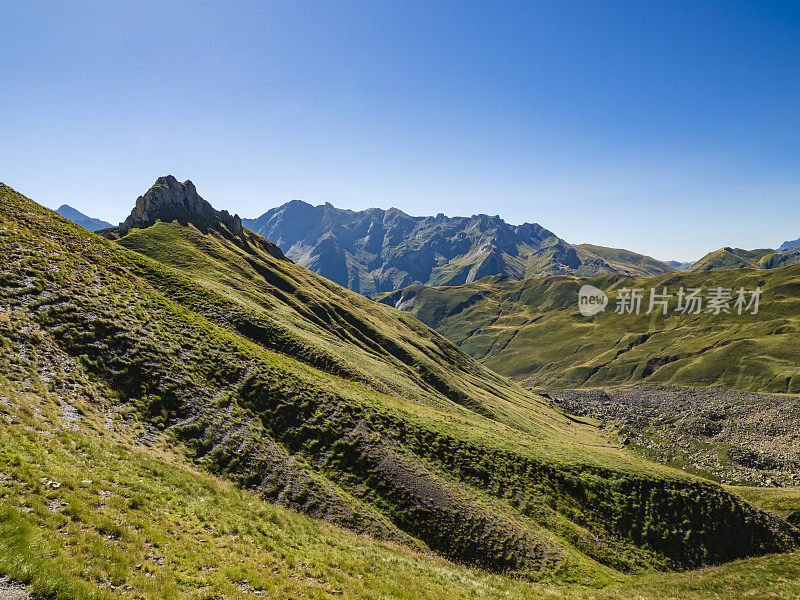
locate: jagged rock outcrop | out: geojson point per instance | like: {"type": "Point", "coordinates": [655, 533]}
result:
{"type": "Point", "coordinates": [170, 200]}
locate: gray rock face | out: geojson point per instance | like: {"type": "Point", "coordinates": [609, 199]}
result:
{"type": "Point", "coordinates": [170, 200]}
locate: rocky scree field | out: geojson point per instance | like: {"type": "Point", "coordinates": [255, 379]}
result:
{"type": "Point", "coordinates": [729, 436]}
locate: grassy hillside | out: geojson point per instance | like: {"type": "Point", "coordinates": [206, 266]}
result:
{"type": "Point", "coordinates": [139, 521]}
{"type": "Point", "coordinates": [532, 331]}
{"type": "Point", "coordinates": [736, 258]}
{"type": "Point", "coordinates": [627, 262]}
{"type": "Point", "coordinates": [214, 346]}
{"type": "Point", "coordinates": [783, 502]}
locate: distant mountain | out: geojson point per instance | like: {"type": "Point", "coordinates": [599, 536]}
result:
{"type": "Point", "coordinates": [376, 250]}
{"type": "Point", "coordinates": [790, 245]}
{"type": "Point", "coordinates": [76, 216]}
{"type": "Point", "coordinates": [680, 266]}
{"type": "Point", "coordinates": [736, 258]}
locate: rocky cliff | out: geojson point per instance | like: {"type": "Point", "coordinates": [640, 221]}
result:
{"type": "Point", "coordinates": [170, 200]}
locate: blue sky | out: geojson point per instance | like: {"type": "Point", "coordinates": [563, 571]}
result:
{"type": "Point", "coordinates": [669, 128]}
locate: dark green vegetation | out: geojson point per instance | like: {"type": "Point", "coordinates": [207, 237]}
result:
{"type": "Point", "coordinates": [378, 250]}
{"type": "Point", "coordinates": [120, 357]}
{"type": "Point", "coordinates": [532, 331]}
{"type": "Point", "coordinates": [736, 258]}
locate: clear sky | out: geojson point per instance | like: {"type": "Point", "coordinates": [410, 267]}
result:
{"type": "Point", "coordinates": [670, 128]}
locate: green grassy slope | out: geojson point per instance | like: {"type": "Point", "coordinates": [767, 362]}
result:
{"type": "Point", "coordinates": [532, 331]}
{"type": "Point", "coordinates": [627, 262]}
{"type": "Point", "coordinates": [783, 502]}
{"type": "Point", "coordinates": [729, 258]}
{"type": "Point", "coordinates": [349, 411]}
{"type": "Point", "coordinates": [139, 521]}
{"type": "Point", "coordinates": [291, 310]}
{"type": "Point", "coordinates": [736, 258]}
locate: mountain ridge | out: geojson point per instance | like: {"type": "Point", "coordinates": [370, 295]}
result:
{"type": "Point", "coordinates": [789, 245]}
{"type": "Point", "coordinates": [380, 250]}
{"type": "Point", "coordinates": [737, 258]}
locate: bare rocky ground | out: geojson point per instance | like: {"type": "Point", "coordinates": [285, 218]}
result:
{"type": "Point", "coordinates": [13, 591]}
{"type": "Point", "coordinates": [731, 436]}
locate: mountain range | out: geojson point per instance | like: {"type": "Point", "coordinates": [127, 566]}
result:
{"type": "Point", "coordinates": [790, 245]}
{"type": "Point", "coordinates": [378, 250]}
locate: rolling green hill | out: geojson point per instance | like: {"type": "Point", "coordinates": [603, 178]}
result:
{"type": "Point", "coordinates": [533, 332]}
{"type": "Point", "coordinates": [736, 258]}
{"type": "Point", "coordinates": [198, 343]}
{"type": "Point", "coordinates": [627, 262]}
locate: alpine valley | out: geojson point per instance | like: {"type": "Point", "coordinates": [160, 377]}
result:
{"type": "Point", "coordinates": [196, 406]}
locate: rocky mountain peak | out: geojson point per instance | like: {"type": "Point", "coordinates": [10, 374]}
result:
{"type": "Point", "coordinates": [790, 245]}
{"type": "Point", "coordinates": [170, 200]}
